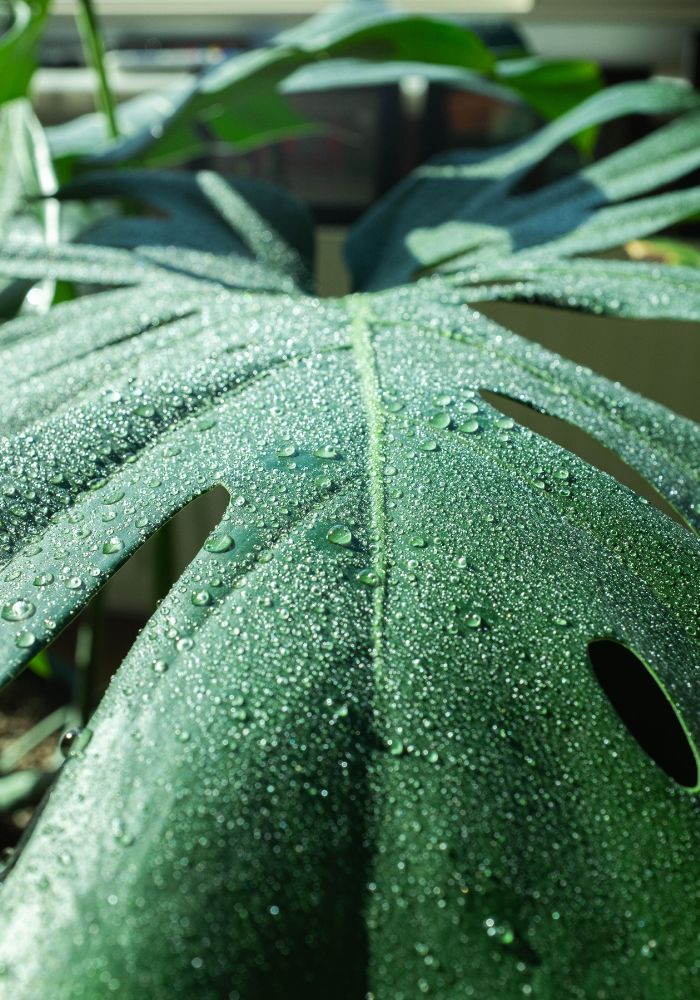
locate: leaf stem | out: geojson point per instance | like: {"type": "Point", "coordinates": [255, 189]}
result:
{"type": "Point", "coordinates": [94, 50]}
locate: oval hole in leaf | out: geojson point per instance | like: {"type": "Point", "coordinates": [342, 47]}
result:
{"type": "Point", "coordinates": [581, 443]}
{"type": "Point", "coordinates": [645, 707]}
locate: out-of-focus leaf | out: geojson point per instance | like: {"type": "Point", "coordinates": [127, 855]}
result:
{"type": "Point", "coordinates": [672, 252]}
{"type": "Point", "coordinates": [243, 101]}
{"type": "Point", "coordinates": [23, 23]}
{"type": "Point", "coordinates": [26, 180]}
{"type": "Point", "coordinates": [465, 209]}
{"type": "Point", "coordinates": [553, 88]}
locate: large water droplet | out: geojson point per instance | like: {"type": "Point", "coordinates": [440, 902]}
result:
{"type": "Point", "coordinates": [219, 542]}
{"type": "Point", "coordinates": [339, 534]}
{"type": "Point", "coordinates": [74, 740]}
{"type": "Point", "coordinates": [441, 420]}
{"type": "Point", "coordinates": [18, 610]}
{"type": "Point", "coordinates": [112, 546]}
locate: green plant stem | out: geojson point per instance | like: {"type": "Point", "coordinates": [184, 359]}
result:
{"type": "Point", "coordinates": [94, 50]}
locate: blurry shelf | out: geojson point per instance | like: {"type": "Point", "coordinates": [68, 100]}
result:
{"type": "Point", "coordinates": [591, 11]}
{"type": "Point", "coordinates": [79, 81]}
{"type": "Point", "coordinates": [285, 8]}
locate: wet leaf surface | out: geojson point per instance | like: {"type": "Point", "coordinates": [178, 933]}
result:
{"type": "Point", "coordinates": [361, 748]}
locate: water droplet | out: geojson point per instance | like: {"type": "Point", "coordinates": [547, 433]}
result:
{"type": "Point", "coordinates": [219, 542]}
{"type": "Point", "coordinates": [473, 620]}
{"type": "Point", "coordinates": [470, 427]}
{"type": "Point", "coordinates": [286, 451]}
{"type": "Point", "coordinates": [25, 640]}
{"type": "Point", "coordinates": [114, 497]}
{"type": "Point", "coordinates": [327, 451]}
{"type": "Point", "coordinates": [418, 542]}
{"type": "Point", "coordinates": [201, 598]}
{"type": "Point", "coordinates": [339, 534]}
{"type": "Point", "coordinates": [18, 610]}
{"type": "Point", "coordinates": [504, 423]}
{"type": "Point", "coordinates": [43, 579]}
{"type": "Point", "coordinates": [112, 546]}
{"type": "Point", "coordinates": [441, 420]}
{"type": "Point", "coordinates": [160, 667]}
{"type": "Point", "coordinates": [74, 740]}
{"type": "Point", "coordinates": [369, 577]}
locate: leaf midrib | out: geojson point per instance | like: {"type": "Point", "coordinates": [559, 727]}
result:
{"type": "Point", "coordinates": [370, 391]}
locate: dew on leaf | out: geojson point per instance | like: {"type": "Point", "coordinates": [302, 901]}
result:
{"type": "Point", "coordinates": [18, 610]}
{"type": "Point", "coordinates": [74, 740]}
{"type": "Point", "coordinates": [219, 542]}
{"type": "Point", "coordinates": [200, 598]}
{"type": "Point", "coordinates": [112, 546]}
{"type": "Point", "coordinates": [113, 497]}
{"type": "Point", "coordinates": [25, 640]}
{"type": "Point", "coordinates": [339, 534]}
{"type": "Point", "coordinates": [441, 420]}
{"type": "Point", "coordinates": [470, 427]}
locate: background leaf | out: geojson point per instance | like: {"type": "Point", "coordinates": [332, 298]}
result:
{"type": "Point", "coordinates": [18, 45]}
{"type": "Point", "coordinates": [467, 207]}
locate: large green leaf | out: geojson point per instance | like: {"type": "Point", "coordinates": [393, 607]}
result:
{"type": "Point", "coordinates": [359, 750]}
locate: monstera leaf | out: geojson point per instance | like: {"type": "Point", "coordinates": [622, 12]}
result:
{"type": "Point", "coordinates": [361, 749]}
